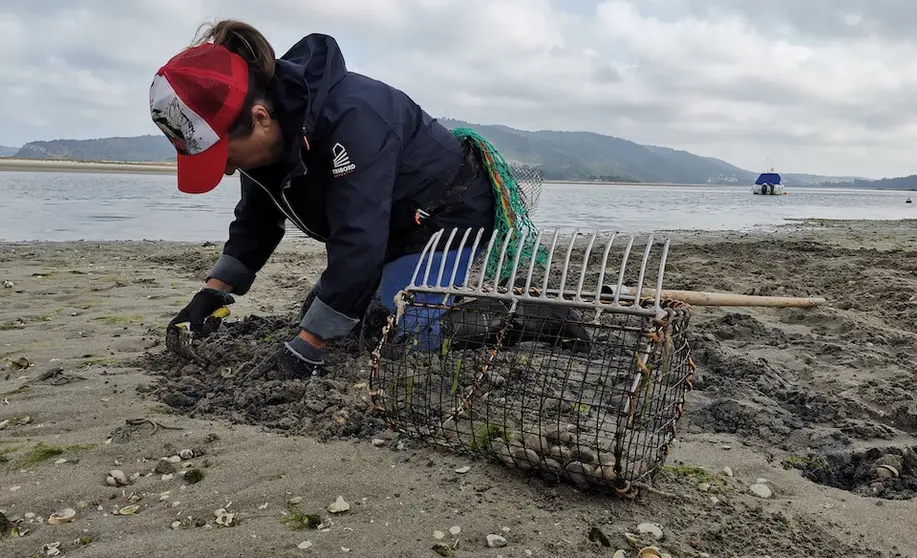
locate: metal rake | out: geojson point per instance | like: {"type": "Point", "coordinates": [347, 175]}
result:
{"type": "Point", "coordinates": [551, 370]}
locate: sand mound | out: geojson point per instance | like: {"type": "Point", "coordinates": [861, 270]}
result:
{"type": "Point", "coordinates": [329, 407]}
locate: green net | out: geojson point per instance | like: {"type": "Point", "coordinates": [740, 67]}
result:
{"type": "Point", "coordinates": [511, 215]}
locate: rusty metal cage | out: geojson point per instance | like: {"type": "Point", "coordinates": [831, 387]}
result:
{"type": "Point", "coordinates": [552, 371]}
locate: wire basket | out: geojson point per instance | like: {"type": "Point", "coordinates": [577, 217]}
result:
{"type": "Point", "coordinates": [553, 371]}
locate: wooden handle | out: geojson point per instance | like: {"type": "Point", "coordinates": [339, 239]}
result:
{"type": "Point", "coordinates": [700, 298]}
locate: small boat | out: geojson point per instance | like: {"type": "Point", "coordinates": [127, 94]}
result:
{"type": "Point", "coordinates": [768, 184]}
{"type": "Point", "coordinates": [908, 200]}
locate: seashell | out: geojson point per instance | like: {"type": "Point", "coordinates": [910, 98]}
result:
{"type": "Point", "coordinates": [223, 517]}
{"type": "Point", "coordinates": [20, 364]}
{"type": "Point", "coordinates": [535, 442]}
{"type": "Point", "coordinates": [560, 453]}
{"type": "Point", "coordinates": [502, 452]}
{"type": "Point", "coordinates": [651, 529]}
{"type": "Point", "coordinates": [633, 469]}
{"type": "Point", "coordinates": [649, 552]}
{"type": "Point", "coordinates": [186, 454]}
{"type": "Point", "coordinates": [604, 473]}
{"type": "Point", "coordinates": [579, 472]}
{"type": "Point", "coordinates": [559, 436]}
{"type": "Point", "coordinates": [887, 472]}
{"type": "Point", "coordinates": [65, 515]}
{"type": "Point", "coordinates": [761, 490]}
{"type": "Point", "coordinates": [116, 477]}
{"type": "Point", "coordinates": [449, 429]}
{"type": "Point", "coordinates": [550, 467]}
{"type": "Point", "coordinates": [338, 506]}
{"type": "Point", "coordinates": [896, 461]}
{"type": "Point", "coordinates": [606, 458]}
{"type": "Point", "coordinates": [525, 458]}
{"type": "Point", "coordinates": [584, 455]}
{"type": "Point", "coordinates": [619, 554]}
{"type": "Point", "coordinates": [129, 510]}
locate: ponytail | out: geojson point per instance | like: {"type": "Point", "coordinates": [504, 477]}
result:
{"type": "Point", "coordinates": [246, 41]}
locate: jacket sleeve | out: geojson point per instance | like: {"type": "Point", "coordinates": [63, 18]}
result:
{"type": "Point", "coordinates": [254, 234]}
{"type": "Point", "coordinates": [365, 153]}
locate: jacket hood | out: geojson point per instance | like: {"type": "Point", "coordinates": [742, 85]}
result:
{"type": "Point", "coordinates": [302, 79]}
{"type": "Point", "coordinates": [304, 76]}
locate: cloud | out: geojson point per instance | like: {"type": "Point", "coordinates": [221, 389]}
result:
{"type": "Point", "coordinates": [818, 86]}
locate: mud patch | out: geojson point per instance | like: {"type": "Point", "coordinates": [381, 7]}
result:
{"type": "Point", "coordinates": [889, 473]}
{"type": "Point", "coordinates": [791, 386]}
{"type": "Point", "coordinates": [335, 406]}
{"type": "Point", "coordinates": [192, 262]}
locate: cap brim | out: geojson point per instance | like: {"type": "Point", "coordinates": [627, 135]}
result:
{"type": "Point", "coordinates": [201, 173]}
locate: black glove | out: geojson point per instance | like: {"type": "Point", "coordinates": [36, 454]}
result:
{"type": "Point", "coordinates": [198, 311]}
{"type": "Point", "coordinates": [299, 360]}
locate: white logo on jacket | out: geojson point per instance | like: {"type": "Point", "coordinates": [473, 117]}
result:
{"type": "Point", "coordinates": [341, 164]}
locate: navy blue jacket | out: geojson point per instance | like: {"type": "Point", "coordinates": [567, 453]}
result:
{"type": "Point", "coordinates": [361, 157]}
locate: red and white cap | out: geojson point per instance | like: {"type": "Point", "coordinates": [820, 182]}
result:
{"type": "Point", "coordinates": [195, 99]}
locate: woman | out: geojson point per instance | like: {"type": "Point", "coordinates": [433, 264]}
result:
{"type": "Point", "coordinates": [350, 160]}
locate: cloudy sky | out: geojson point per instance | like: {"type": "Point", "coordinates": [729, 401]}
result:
{"type": "Point", "coordinates": [821, 86]}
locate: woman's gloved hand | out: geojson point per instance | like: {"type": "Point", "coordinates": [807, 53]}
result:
{"type": "Point", "coordinates": [299, 359]}
{"type": "Point", "coordinates": [202, 305]}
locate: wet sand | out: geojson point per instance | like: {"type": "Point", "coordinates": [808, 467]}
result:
{"type": "Point", "coordinates": [61, 165]}
{"type": "Point", "coordinates": [819, 402]}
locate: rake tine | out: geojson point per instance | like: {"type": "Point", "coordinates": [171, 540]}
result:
{"type": "Point", "coordinates": [442, 260]}
{"type": "Point", "coordinates": [563, 272]}
{"type": "Point", "coordinates": [617, 293]}
{"type": "Point", "coordinates": [471, 257]}
{"type": "Point", "coordinates": [512, 277]}
{"type": "Point", "coordinates": [582, 276]}
{"type": "Point", "coordinates": [662, 261]}
{"type": "Point", "coordinates": [646, 257]}
{"type": "Point", "coordinates": [547, 273]}
{"type": "Point", "coordinates": [428, 247]}
{"type": "Point", "coordinates": [528, 277]}
{"type": "Point", "coordinates": [458, 257]}
{"type": "Point", "coordinates": [426, 274]}
{"type": "Point", "coordinates": [598, 289]}
{"type": "Point", "coordinates": [490, 246]}
{"type": "Point", "coordinates": [502, 258]}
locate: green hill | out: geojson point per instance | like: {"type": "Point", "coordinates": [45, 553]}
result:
{"type": "Point", "coordinates": [590, 156]}
{"type": "Point", "coordinates": [149, 148]}
{"type": "Point", "coordinates": [561, 155]}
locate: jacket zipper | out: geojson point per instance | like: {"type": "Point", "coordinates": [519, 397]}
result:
{"type": "Point", "coordinates": [300, 222]}
{"type": "Point", "coordinates": [283, 194]}
{"type": "Point", "coordinates": [291, 215]}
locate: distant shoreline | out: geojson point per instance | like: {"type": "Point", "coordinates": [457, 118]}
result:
{"type": "Point", "coordinates": [126, 167]}
{"type": "Point", "coordinates": [66, 165]}
{"type": "Point", "coordinates": [63, 165]}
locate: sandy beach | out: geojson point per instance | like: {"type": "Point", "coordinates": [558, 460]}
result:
{"type": "Point", "coordinates": [62, 165]}
{"type": "Point", "coordinates": [818, 404]}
